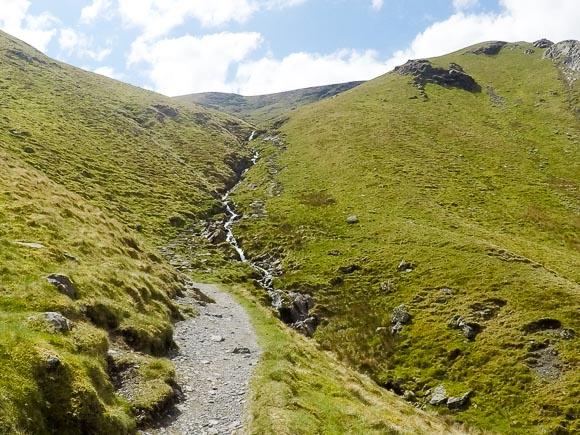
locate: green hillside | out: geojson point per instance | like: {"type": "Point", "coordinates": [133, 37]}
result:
{"type": "Point", "coordinates": [264, 108]}
{"type": "Point", "coordinates": [464, 176]}
{"type": "Point", "coordinates": [94, 175]}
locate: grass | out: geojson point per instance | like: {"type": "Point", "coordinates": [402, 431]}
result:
{"type": "Point", "coordinates": [481, 197]}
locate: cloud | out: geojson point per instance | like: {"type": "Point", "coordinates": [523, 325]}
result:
{"type": "Point", "coordinates": [78, 44]}
{"type": "Point", "coordinates": [461, 5]}
{"type": "Point", "coordinates": [156, 18]}
{"type": "Point", "coordinates": [193, 64]}
{"type": "Point", "coordinates": [300, 70]}
{"type": "Point", "coordinates": [110, 72]}
{"type": "Point", "coordinates": [97, 9]}
{"type": "Point", "coordinates": [377, 5]}
{"type": "Point", "coordinates": [517, 21]}
{"type": "Point", "coordinates": [37, 30]}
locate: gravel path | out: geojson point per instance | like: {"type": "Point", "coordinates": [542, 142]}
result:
{"type": "Point", "coordinates": [217, 355]}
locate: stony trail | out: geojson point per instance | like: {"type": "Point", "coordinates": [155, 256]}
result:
{"type": "Point", "coordinates": [217, 354]}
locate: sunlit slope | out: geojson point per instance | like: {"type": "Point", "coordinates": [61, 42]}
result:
{"type": "Point", "coordinates": [479, 193]}
{"type": "Point", "coordinates": [141, 156]}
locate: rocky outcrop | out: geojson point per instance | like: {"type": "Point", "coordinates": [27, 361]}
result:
{"type": "Point", "coordinates": [491, 49]}
{"type": "Point", "coordinates": [469, 329]}
{"type": "Point", "coordinates": [424, 72]}
{"type": "Point", "coordinates": [63, 284]}
{"type": "Point", "coordinates": [295, 310]}
{"type": "Point", "coordinates": [543, 43]}
{"type": "Point", "coordinates": [565, 53]}
{"type": "Point", "coordinates": [56, 322]}
{"type": "Point", "coordinates": [399, 318]}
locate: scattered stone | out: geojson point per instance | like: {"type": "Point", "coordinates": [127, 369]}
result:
{"type": "Point", "coordinates": [52, 363]}
{"type": "Point", "coordinates": [70, 257]}
{"type": "Point", "coordinates": [217, 338]}
{"type": "Point", "coordinates": [446, 291]}
{"type": "Point", "coordinates": [352, 220]}
{"type": "Point", "coordinates": [334, 253]}
{"type": "Point", "coordinates": [306, 327]}
{"type": "Point", "coordinates": [401, 315]}
{"type": "Point", "coordinates": [494, 97]}
{"type": "Point", "coordinates": [28, 150]}
{"type": "Point", "coordinates": [380, 329]}
{"type": "Point", "coordinates": [543, 43]}
{"type": "Point", "coordinates": [405, 266]}
{"type": "Point", "coordinates": [469, 329]}
{"type": "Point", "coordinates": [294, 310]}
{"type": "Point", "coordinates": [568, 334]}
{"type": "Point", "coordinates": [490, 49]}
{"type": "Point", "coordinates": [439, 396]}
{"type": "Point", "coordinates": [423, 72]}
{"type": "Point", "coordinates": [529, 52]}
{"type": "Point", "coordinates": [387, 286]}
{"type": "Point", "coordinates": [397, 328]}
{"type": "Point", "coordinates": [55, 320]}
{"type": "Point", "coordinates": [63, 284]}
{"type": "Point", "coordinates": [349, 269]}
{"type": "Point", "coordinates": [459, 402]}
{"type": "Point", "coordinates": [31, 245]}
{"type": "Point", "coordinates": [409, 396]}
{"type": "Point", "coordinates": [242, 351]}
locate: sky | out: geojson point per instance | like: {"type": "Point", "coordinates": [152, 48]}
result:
{"type": "Point", "coordinates": [254, 47]}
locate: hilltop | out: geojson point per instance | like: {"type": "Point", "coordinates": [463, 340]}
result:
{"type": "Point", "coordinates": [263, 108]}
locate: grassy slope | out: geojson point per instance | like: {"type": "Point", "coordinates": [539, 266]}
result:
{"type": "Point", "coordinates": [84, 160]}
{"type": "Point", "coordinates": [482, 198]}
{"type": "Point", "coordinates": [263, 108]}
{"type": "Point", "coordinates": [88, 161]}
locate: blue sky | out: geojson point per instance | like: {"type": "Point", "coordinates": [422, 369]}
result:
{"type": "Point", "coordinates": [261, 46]}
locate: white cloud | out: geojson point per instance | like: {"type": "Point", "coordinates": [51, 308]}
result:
{"type": "Point", "coordinates": [300, 70]}
{"type": "Point", "coordinates": [97, 9]}
{"type": "Point", "coordinates": [188, 64]}
{"type": "Point", "coordinates": [78, 44]}
{"type": "Point", "coordinates": [36, 30]}
{"type": "Point", "coordinates": [462, 5]}
{"type": "Point", "coordinates": [110, 72]}
{"type": "Point", "coordinates": [517, 21]}
{"type": "Point", "coordinates": [377, 5]}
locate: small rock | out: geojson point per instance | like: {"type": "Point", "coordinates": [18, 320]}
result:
{"type": "Point", "coordinates": [217, 338]}
{"type": "Point", "coordinates": [63, 284]}
{"type": "Point", "coordinates": [405, 266]}
{"type": "Point", "coordinates": [380, 329]}
{"type": "Point", "coordinates": [349, 269]}
{"type": "Point", "coordinates": [28, 150]}
{"type": "Point", "coordinates": [439, 396]}
{"type": "Point", "coordinates": [71, 257]}
{"type": "Point", "coordinates": [458, 402]}
{"type": "Point", "coordinates": [31, 245]}
{"type": "Point", "coordinates": [568, 334]}
{"type": "Point", "coordinates": [241, 350]}
{"type": "Point", "coordinates": [400, 315]}
{"type": "Point", "coordinates": [409, 396]}
{"type": "Point", "coordinates": [397, 328]}
{"type": "Point", "coordinates": [52, 363]}
{"type": "Point", "coordinates": [56, 320]}
{"type": "Point", "coordinates": [334, 253]}
{"type": "Point", "coordinates": [352, 219]}
{"type": "Point", "coordinates": [543, 43]}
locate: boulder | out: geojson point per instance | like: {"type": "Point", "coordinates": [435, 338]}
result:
{"type": "Point", "coordinates": [543, 43]}
{"type": "Point", "coordinates": [490, 49]}
{"type": "Point", "coordinates": [439, 396]}
{"type": "Point", "coordinates": [55, 321]}
{"type": "Point", "coordinates": [400, 315]}
{"type": "Point", "coordinates": [566, 53]}
{"type": "Point", "coordinates": [63, 284]}
{"type": "Point", "coordinates": [405, 266]}
{"type": "Point", "coordinates": [459, 402]}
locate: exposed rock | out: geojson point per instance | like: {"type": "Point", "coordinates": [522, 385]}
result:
{"type": "Point", "coordinates": [529, 52]}
{"type": "Point", "coordinates": [491, 49]}
{"type": "Point", "coordinates": [55, 320]}
{"type": "Point", "coordinates": [568, 334]}
{"type": "Point", "coordinates": [409, 396]}
{"type": "Point", "coordinates": [307, 326]}
{"type": "Point", "coordinates": [424, 72]}
{"type": "Point", "coordinates": [405, 266]}
{"type": "Point", "coordinates": [217, 338]}
{"type": "Point", "coordinates": [28, 150]}
{"type": "Point", "coordinates": [31, 245]}
{"type": "Point", "coordinates": [387, 286]}
{"type": "Point", "coordinates": [70, 257]}
{"type": "Point", "coordinates": [544, 359]}
{"type": "Point", "coordinates": [334, 253]}
{"type": "Point", "coordinates": [543, 43]}
{"type": "Point", "coordinates": [63, 284]}
{"type": "Point", "coordinates": [439, 396]}
{"type": "Point", "coordinates": [542, 325]}
{"type": "Point", "coordinates": [215, 232]}
{"type": "Point", "coordinates": [401, 315]}
{"type": "Point", "coordinates": [469, 329]}
{"type": "Point", "coordinates": [459, 402]}
{"type": "Point", "coordinates": [52, 363]}
{"type": "Point", "coordinates": [488, 309]}
{"type": "Point", "coordinates": [242, 351]}
{"type": "Point", "coordinates": [349, 269]}
{"type": "Point", "coordinates": [352, 220]}
{"type": "Point", "coordinates": [566, 53]}
{"type": "Point", "coordinates": [494, 97]}
{"type": "Point", "coordinates": [177, 221]}
{"type": "Point", "coordinates": [168, 111]}
{"type": "Point", "coordinates": [397, 328]}
{"type": "Point", "coordinates": [19, 133]}
{"type": "Point", "coordinates": [294, 310]}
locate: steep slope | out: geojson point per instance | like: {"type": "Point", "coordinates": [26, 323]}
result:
{"type": "Point", "coordinates": [263, 108]}
{"type": "Point", "coordinates": [463, 174]}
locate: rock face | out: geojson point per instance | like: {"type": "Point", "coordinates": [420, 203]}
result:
{"type": "Point", "coordinates": [439, 396]}
{"type": "Point", "coordinates": [295, 311]}
{"type": "Point", "coordinates": [63, 284]}
{"type": "Point", "coordinates": [490, 49]}
{"type": "Point", "coordinates": [566, 53]}
{"type": "Point", "coordinates": [424, 72]}
{"type": "Point", "coordinates": [543, 43]}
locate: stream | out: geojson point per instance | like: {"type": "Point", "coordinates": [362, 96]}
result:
{"type": "Point", "coordinates": [267, 276]}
